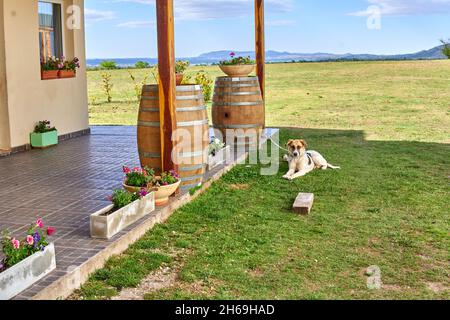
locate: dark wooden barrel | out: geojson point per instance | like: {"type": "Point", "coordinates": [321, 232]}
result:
{"type": "Point", "coordinates": [238, 105]}
{"type": "Point", "coordinates": [192, 121]}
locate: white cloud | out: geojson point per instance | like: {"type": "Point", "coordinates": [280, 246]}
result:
{"type": "Point", "coordinates": [92, 15]}
{"type": "Point", "coordinates": [407, 7]}
{"type": "Point", "coordinates": [218, 9]}
{"type": "Point", "coordinates": [137, 24]}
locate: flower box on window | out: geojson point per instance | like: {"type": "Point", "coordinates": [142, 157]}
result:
{"type": "Point", "coordinates": [66, 74]}
{"type": "Point", "coordinates": [49, 74]}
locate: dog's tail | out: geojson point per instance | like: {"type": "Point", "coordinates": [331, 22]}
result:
{"type": "Point", "coordinates": [330, 166]}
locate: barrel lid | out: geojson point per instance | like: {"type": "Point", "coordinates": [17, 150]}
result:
{"type": "Point", "coordinates": [182, 88]}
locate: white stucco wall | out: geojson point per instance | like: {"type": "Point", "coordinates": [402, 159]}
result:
{"type": "Point", "coordinates": [4, 117]}
{"type": "Point", "coordinates": [30, 99]}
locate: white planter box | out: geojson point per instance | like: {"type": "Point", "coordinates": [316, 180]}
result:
{"type": "Point", "coordinates": [28, 271]}
{"type": "Point", "coordinates": [105, 227]}
{"type": "Point", "coordinates": [222, 156]}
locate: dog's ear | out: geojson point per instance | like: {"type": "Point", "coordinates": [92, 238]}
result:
{"type": "Point", "coordinates": [304, 143]}
{"type": "Point", "coordinates": [288, 144]}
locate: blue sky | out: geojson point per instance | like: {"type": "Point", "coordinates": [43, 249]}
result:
{"type": "Point", "coordinates": [126, 28]}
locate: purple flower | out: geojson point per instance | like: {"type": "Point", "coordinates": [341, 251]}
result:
{"type": "Point", "coordinates": [232, 54]}
{"type": "Point", "coordinates": [42, 247]}
{"type": "Point", "coordinates": [36, 238]}
{"type": "Point", "coordinates": [143, 193]}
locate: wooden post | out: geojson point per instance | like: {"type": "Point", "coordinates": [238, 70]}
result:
{"type": "Point", "coordinates": [260, 46]}
{"type": "Point", "coordinates": [167, 84]}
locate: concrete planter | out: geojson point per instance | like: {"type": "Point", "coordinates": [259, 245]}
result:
{"type": "Point", "coordinates": [106, 226]}
{"type": "Point", "coordinates": [44, 140]}
{"type": "Point", "coordinates": [221, 157]}
{"type": "Point", "coordinates": [24, 274]}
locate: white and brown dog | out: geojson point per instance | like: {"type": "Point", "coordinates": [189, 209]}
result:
{"type": "Point", "coordinates": [302, 162]}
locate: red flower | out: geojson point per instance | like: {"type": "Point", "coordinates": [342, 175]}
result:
{"type": "Point", "coordinates": [126, 170]}
{"type": "Point", "coordinates": [50, 231]}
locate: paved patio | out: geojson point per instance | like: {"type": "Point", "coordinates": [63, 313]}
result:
{"type": "Point", "coordinates": [63, 186]}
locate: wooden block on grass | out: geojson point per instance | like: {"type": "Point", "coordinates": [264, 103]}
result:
{"type": "Point", "coordinates": [303, 203]}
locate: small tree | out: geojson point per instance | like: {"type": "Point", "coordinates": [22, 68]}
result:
{"type": "Point", "coordinates": [107, 86]}
{"type": "Point", "coordinates": [108, 65]}
{"type": "Point", "coordinates": [138, 85]}
{"type": "Point", "coordinates": [142, 65]}
{"type": "Point", "coordinates": [446, 48]}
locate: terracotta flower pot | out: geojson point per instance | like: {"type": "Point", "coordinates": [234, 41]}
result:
{"type": "Point", "coordinates": [132, 189]}
{"type": "Point", "coordinates": [235, 71]}
{"type": "Point", "coordinates": [180, 77]}
{"type": "Point", "coordinates": [163, 193]}
{"type": "Point", "coordinates": [66, 73]}
{"type": "Point", "coordinates": [49, 74]}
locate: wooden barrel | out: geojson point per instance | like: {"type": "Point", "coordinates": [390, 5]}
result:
{"type": "Point", "coordinates": [191, 139]}
{"type": "Point", "coordinates": [238, 106]}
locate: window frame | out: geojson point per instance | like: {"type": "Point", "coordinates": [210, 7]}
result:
{"type": "Point", "coordinates": [63, 29]}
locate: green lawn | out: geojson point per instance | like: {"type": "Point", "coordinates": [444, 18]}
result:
{"type": "Point", "coordinates": [388, 206]}
{"type": "Point", "coordinates": [407, 100]}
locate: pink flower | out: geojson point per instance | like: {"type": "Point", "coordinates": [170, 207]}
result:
{"type": "Point", "coordinates": [136, 169]}
{"type": "Point", "coordinates": [50, 231]}
{"type": "Point", "coordinates": [15, 243]}
{"type": "Point", "coordinates": [30, 240]}
{"type": "Point", "coordinates": [39, 223]}
{"type": "Point", "coordinates": [126, 170]}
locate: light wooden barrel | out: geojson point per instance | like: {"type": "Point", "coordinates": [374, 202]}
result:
{"type": "Point", "coordinates": [192, 120]}
{"type": "Point", "coordinates": [238, 106]}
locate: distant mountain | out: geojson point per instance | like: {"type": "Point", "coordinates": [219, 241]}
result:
{"type": "Point", "coordinates": [276, 56]}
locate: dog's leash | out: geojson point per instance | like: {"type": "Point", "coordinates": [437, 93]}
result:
{"type": "Point", "coordinates": [276, 144]}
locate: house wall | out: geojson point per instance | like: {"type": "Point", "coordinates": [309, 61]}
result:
{"type": "Point", "coordinates": [4, 117]}
{"type": "Point", "coordinates": [62, 101]}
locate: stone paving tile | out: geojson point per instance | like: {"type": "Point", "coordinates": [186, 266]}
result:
{"type": "Point", "coordinates": [64, 185]}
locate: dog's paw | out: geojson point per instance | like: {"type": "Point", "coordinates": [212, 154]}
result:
{"type": "Point", "coordinates": [286, 158]}
{"type": "Point", "coordinates": [287, 177]}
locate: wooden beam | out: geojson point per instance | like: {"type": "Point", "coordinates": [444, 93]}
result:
{"type": "Point", "coordinates": [167, 84]}
{"type": "Point", "coordinates": [260, 46]}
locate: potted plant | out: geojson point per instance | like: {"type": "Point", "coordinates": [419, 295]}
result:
{"type": "Point", "coordinates": [68, 69]}
{"type": "Point", "coordinates": [25, 261]}
{"type": "Point", "coordinates": [126, 208]}
{"type": "Point", "coordinates": [180, 67]}
{"type": "Point", "coordinates": [44, 135]}
{"type": "Point", "coordinates": [237, 66]}
{"type": "Point", "coordinates": [219, 153]}
{"type": "Point", "coordinates": [49, 68]}
{"type": "Point", "coordinates": [138, 178]}
{"type": "Point", "coordinates": [165, 186]}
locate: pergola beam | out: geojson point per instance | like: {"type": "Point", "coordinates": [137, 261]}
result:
{"type": "Point", "coordinates": [167, 82]}
{"type": "Point", "coordinates": [260, 46]}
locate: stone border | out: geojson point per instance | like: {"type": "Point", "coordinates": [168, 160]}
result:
{"type": "Point", "coordinates": [64, 286]}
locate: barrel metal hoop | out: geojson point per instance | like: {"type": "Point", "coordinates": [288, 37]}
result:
{"type": "Point", "coordinates": [191, 154]}
{"type": "Point", "coordinates": [200, 176]}
{"type": "Point", "coordinates": [189, 88]}
{"type": "Point", "coordinates": [237, 104]}
{"type": "Point", "coordinates": [153, 124]}
{"type": "Point", "coordinates": [150, 88]}
{"type": "Point", "coordinates": [149, 109]}
{"type": "Point", "coordinates": [249, 93]}
{"type": "Point", "coordinates": [237, 126]}
{"type": "Point", "coordinates": [237, 85]}
{"type": "Point", "coordinates": [192, 123]}
{"type": "Point", "coordinates": [195, 97]}
{"type": "Point", "coordinates": [235, 79]}
{"type": "Point", "coordinates": [201, 108]}
{"type": "Point", "coordinates": [150, 154]}
{"type": "Point", "coordinates": [192, 168]}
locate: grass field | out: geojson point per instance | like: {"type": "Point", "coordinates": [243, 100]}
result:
{"type": "Point", "coordinates": [387, 125]}
{"type": "Point", "coordinates": [407, 100]}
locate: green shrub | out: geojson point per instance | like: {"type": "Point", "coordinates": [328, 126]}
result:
{"type": "Point", "coordinates": [108, 65]}
{"type": "Point", "coordinates": [142, 65]}
{"type": "Point", "coordinates": [121, 198]}
{"type": "Point", "coordinates": [202, 78]}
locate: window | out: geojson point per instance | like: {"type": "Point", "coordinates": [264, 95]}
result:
{"type": "Point", "coordinates": [50, 30]}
